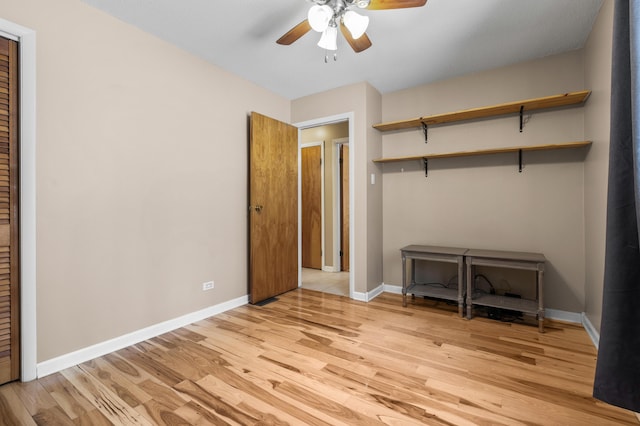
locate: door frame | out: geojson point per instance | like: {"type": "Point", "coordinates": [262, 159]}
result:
{"type": "Point", "coordinates": [322, 215]}
{"type": "Point", "coordinates": [27, 111]}
{"type": "Point", "coordinates": [338, 118]}
{"type": "Point", "coordinates": [337, 200]}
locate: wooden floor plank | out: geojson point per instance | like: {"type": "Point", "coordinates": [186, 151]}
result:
{"type": "Point", "coordinates": [92, 418]}
{"type": "Point", "coordinates": [116, 382]}
{"type": "Point", "coordinates": [160, 414]}
{"type": "Point", "coordinates": [69, 399]}
{"type": "Point", "coordinates": [12, 411]}
{"type": "Point", "coordinates": [197, 415]}
{"type": "Point", "coordinates": [107, 402]}
{"type": "Point", "coordinates": [253, 406]}
{"type": "Point", "coordinates": [33, 396]}
{"type": "Point", "coordinates": [54, 416]}
{"type": "Point", "coordinates": [318, 359]}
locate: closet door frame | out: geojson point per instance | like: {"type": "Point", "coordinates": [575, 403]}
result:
{"type": "Point", "coordinates": [27, 146]}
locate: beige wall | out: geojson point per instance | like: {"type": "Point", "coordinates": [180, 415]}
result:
{"type": "Point", "coordinates": [141, 176]}
{"type": "Point", "coordinates": [597, 119]}
{"type": "Point", "coordinates": [364, 102]}
{"type": "Point", "coordinates": [483, 202]}
{"type": "Point", "coordinates": [328, 134]}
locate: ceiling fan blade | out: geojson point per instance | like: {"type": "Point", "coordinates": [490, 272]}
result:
{"type": "Point", "coordinates": [357, 44]}
{"type": "Point", "coordinates": [295, 33]}
{"type": "Point", "coordinates": [394, 4]}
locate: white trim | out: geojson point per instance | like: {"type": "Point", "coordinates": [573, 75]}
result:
{"type": "Point", "coordinates": [330, 269]}
{"type": "Point", "coordinates": [323, 217]}
{"type": "Point", "coordinates": [299, 213]}
{"type": "Point", "coordinates": [565, 316]}
{"type": "Point", "coordinates": [591, 330]}
{"type": "Point", "coordinates": [554, 314]}
{"type": "Point", "coordinates": [337, 202]}
{"type": "Point", "coordinates": [83, 355]}
{"type": "Point", "coordinates": [323, 121]}
{"type": "Point", "coordinates": [27, 69]}
{"type": "Point", "coordinates": [361, 297]}
{"type": "Point", "coordinates": [348, 116]}
{"type": "Point", "coordinates": [352, 207]}
{"type": "Point", "coordinates": [370, 295]}
{"type": "Point", "coordinates": [9, 36]}
{"type": "Point", "coordinates": [389, 288]}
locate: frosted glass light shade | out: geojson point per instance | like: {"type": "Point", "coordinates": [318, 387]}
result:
{"type": "Point", "coordinates": [319, 17]}
{"type": "Point", "coordinates": [355, 23]}
{"type": "Point", "coordinates": [329, 39]}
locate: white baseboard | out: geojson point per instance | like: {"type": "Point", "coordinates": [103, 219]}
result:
{"type": "Point", "coordinates": [330, 269]}
{"type": "Point", "coordinates": [555, 314]}
{"type": "Point", "coordinates": [83, 355]}
{"type": "Point", "coordinates": [360, 297]}
{"type": "Point", "coordinates": [375, 292]}
{"type": "Point", "coordinates": [389, 288]}
{"type": "Point", "coordinates": [62, 362]}
{"type": "Point", "coordinates": [368, 296]}
{"type": "Point", "coordinates": [565, 316]}
{"type": "Point", "coordinates": [591, 330]}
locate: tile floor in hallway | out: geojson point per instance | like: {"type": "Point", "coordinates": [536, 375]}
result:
{"type": "Point", "coordinates": [326, 282]}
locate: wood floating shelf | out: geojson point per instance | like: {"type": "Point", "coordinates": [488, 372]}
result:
{"type": "Point", "coordinates": [555, 101]}
{"type": "Point", "coordinates": [566, 145]}
{"type": "Point", "coordinates": [519, 149]}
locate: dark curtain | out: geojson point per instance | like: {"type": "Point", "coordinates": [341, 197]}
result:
{"type": "Point", "coordinates": [617, 379]}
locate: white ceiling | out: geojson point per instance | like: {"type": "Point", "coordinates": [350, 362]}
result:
{"type": "Point", "coordinates": [443, 39]}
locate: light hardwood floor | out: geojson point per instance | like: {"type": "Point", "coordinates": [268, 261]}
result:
{"type": "Point", "coordinates": [315, 358]}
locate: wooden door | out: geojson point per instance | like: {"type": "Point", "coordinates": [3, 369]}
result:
{"type": "Point", "coordinates": [273, 208]}
{"type": "Point", "coordinates": [9, 262]}
{"type": "Point", "coordinates": [311, 191]}
{"type": "Point", "coordinates": [344, 208]}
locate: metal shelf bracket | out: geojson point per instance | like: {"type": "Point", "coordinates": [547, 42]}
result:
{"type": "Point", "coordinates": [425, 130]}
{"type": "Point", "coordinates": [426, 167]}
{"type": "Point", "coordinates": [521, 117]}
{"type": "Point", "coordinates": [519, 161]}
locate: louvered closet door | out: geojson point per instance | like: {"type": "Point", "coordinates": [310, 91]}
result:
{"type": "Point", "coordinates": [9, 281]}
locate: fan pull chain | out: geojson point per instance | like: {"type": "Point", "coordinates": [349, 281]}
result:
{"type": "Point", "coordinates": [326, 57]}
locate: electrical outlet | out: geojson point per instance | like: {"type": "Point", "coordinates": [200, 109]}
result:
{"type": "Point", "coordinates": [207, 286]}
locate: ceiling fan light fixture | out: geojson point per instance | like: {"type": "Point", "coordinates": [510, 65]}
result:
{"type": "Point", "coordinates": [355, 23]}
{"type": "Point", "coordinates": [329, 39]}
{"type": "Point", "coordinates": [319, 17]}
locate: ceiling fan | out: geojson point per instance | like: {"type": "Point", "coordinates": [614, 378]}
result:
{"type": "Point", "coordinates": [326, 15]}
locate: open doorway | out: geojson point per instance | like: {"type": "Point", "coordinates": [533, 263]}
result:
{"type": "Point", "coordinates": [324, 208]}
